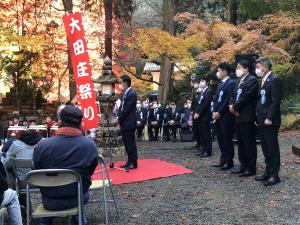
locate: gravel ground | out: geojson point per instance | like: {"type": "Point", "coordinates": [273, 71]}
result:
{"type": "Point", "coordinates": [207, 196]}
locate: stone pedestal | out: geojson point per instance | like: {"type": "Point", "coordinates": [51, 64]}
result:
{"type": "Point", "coordinates": [108, 136]}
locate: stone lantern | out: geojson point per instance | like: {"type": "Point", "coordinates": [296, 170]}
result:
{"type": "Point", "coordinates": [108, 137]}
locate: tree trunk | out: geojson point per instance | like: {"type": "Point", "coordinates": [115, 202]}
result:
{"type": "Point", "coordinates": [108, 8]}
{"type": "Point", "coordinates": [68, 6]}
{"type": "Point", "coordinates": [232, 11]}
{"type": "Point", "coordinates": [166, 67]}
{"type": "Point", "coordinates": [123, 10]}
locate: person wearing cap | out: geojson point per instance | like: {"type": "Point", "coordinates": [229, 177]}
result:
{"type": "Point", "coordinates": [128, 123]}
{"type": "Point", "coordinates": [69, 149]}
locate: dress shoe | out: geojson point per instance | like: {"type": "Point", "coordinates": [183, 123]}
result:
{"type": "Point", "coordinates": [205, 154]}
{"type": "Point", "coordinates": [227, 166]}
{"type": "Point", "coordinates": [125, 165]}
{"type": "Point", "coordinates": [195, 146]}
{"type": "Point", "coordinates": [247, 173]}
{"type": "Point", "coordinates": [221, 164]}
{"type": "Point", "coordinates": [199, 153]}
{"type": "Point", "coordinates": [263, 177]}
{"type": "Point", "coordinates": [272, 181]}
{"type": "Point", "coordinates": [237, 171]}
{"type": "Point", "coordinates": [131, 166]}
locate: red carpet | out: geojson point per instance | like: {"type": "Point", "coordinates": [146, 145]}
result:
{"type": "Point", "coordinates": [148, 169]}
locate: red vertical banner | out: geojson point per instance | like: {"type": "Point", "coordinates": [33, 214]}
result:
{"type": "Point", "coordinates": [86, 96]}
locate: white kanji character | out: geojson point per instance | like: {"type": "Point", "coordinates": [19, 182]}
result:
{"type": "Point", "coordinates": [89, 113]}
{"type": "Point", "coordinates": [74, 24]}
{"type": "Point", "coordinates": [81, 69]}
{"type": "Point", "coordinates": [78, 47]}
{"type": "Point", "coordinates": [85, 91]}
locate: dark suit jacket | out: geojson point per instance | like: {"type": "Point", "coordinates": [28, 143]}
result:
{"type": "Point", "coordinates": [272, 90]}
{"type": "Point", "coordinates": [159, 116]}
{"type": "Point", "coordinates": [176, 116]}
{"type": "Point", "coordinates": [204, 106]}
{"type": "Point", "coordinates": [244, 99]}
{"type": "Point", "coordinates": [141, 115]}
{"type": "Point", "coordinates": [224, 93]}
{"type": "Point", "coordinates": [127, 112]}
{"type": "Point", "coordinates": [195, 101]}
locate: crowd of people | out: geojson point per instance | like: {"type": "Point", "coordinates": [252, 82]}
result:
{"type": "Point", "coordinates": [243, 107]}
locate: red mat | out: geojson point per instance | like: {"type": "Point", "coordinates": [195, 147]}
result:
{"type": "Point", "coordinates": [148, 169]}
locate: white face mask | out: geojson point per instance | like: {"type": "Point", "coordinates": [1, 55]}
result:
{"type": "Point", "coordinates": [196, 85]}
{"type": "Point", "coordinates": [138, 105]}
{"type": "Point", "coordinates": [189, 105]}
{"type": "Point", "coordinates": [219, 75]}
{"type": "Point", "coordinates": [199, 89]}
{"type": "Point", "coordinates": [259, 73]}
{"type": "Point", "coordinates": [154, 106]}
{"type": "Point", "coordinates": [239, 73]}
{"type": "Point", "coordinates": [202, 84]}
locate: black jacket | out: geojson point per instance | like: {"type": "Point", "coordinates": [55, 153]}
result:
{"type": "Point", "coordinates": [222, 100]}
{"type": "Point", "coordinates": [158, 116]}
{"type": "Point", "coordinates": [204, 106]}
{"type": "Point", "coordinates": [141, 115]}
{"type": "Point", "coordinates": [176, 116]}
{"type": "Point", "coordinates": [3, 182]}
{"type": "Point", "coordinates": [244, 99]}
{"type": "Point", "coordinates": [127, 110]}
{"type": "Point", "coordinates": [269, 100]}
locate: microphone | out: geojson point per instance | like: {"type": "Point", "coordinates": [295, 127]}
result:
{"type": "Point", "coordinates": [107, 98]}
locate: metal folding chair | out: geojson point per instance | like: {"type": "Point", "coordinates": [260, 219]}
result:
{"type": "Point", "coordinates": [103, 184]}
{"type": "Point", "coordinates": [53, 178]}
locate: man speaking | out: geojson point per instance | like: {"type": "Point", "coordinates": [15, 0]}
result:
{"type": "Point", "coordinates": [127, 122]}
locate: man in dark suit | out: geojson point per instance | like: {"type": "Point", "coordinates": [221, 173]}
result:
{"type": "Point", "coordinates": [141, 119]}
{"type": "Point", "coordinates": [173, 116]}
{"type": "Point", "coordinates": [196, 124]}
{"type": "Point", "coordinates": [187, 120]}
{"type": "Point", "coordinates": [155, 119]}
{"type": "Point", "coordinates": [223, 119]}
{"type": "Point", "coordinates": [269, 120]}
{"type": "Point", "coordinates": [127, 120]}
{"type": "Point", "coordinates": [243, 106]}
{"type": "Point", "coordinates": [203, 114]}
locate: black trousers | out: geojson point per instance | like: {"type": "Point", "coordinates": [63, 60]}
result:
{"type": "Point", "coordinates": [205, 136]}
{"type": "Point", "coordinates": [196, 129]}
{"type": "Point", "coordinates": [246, 136]}
{"type": "Point", "coordinates": [224, 128]}
{"type": "Point", "coordinates": [270, 148]}
{"type": "Point", "coordinates": [140, 129]}
{"type": "Point", "coordinates": [129, 143]}
{"type": "Point", "coordinates": [150, 131]}
{"type": "Point", "coordinates": [173, 129]}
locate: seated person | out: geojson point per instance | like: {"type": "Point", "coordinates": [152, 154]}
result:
{"type": "Point", "coordinates": [187, 120]}
{"type": "Point", "coordinates": [9, 142]}
{"type": "Point", "coordinates": [155, 119]}
{"type": "Point", "coordinates": [9, 199]}
{"type": "Point", "coordinates": [22, 148]}
{"type": "Point", "coordinates": [173, 116]}
{"type": "Point", "coordinates": [69, 149]}
{"type": "Point", "coordinates": [141, 118]}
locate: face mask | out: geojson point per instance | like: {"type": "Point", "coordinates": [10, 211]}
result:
{"type": "Point", "coordinates": [154, 106]}
{"type": "Point", "coordinates": [185, 106]}
{"type": "Point", "coordinates": [138, 105]}
{"type": "Point", "coordinates": [202, 84]}
{"type": "Point", "coordinates": [189, 105]}
{"type": "Point", "coordinates": [259, 73]}
{"type": "Point", "coordinates": [219, 75]}
{"type": "Point", "coordinates": [196, 86]}
{"type": "Point", "coordinates": [239, 73]}
{"type": "Point", "coordinates": [173, 106]}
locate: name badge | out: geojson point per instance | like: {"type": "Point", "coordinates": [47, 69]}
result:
{"type": "Point", "coordinates": [239, 92]}
{"type": "Point", "coordinates": [220, 96]}
{"type": "Point", "coordinates": [263, 97]}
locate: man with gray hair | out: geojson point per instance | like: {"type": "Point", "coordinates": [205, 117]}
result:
{"type": "Point", "coordinates": [269, 119]}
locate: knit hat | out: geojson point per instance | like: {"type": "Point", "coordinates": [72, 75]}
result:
{"type": "Point", "coordinates": [71, 115]}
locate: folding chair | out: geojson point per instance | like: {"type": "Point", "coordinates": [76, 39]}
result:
{"type": "Point", "coordinates": [103, 184]}
{"type": "Point", "coordinates": [21, 164]}
{"type": "Point", "coordinates": [53, 178]}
